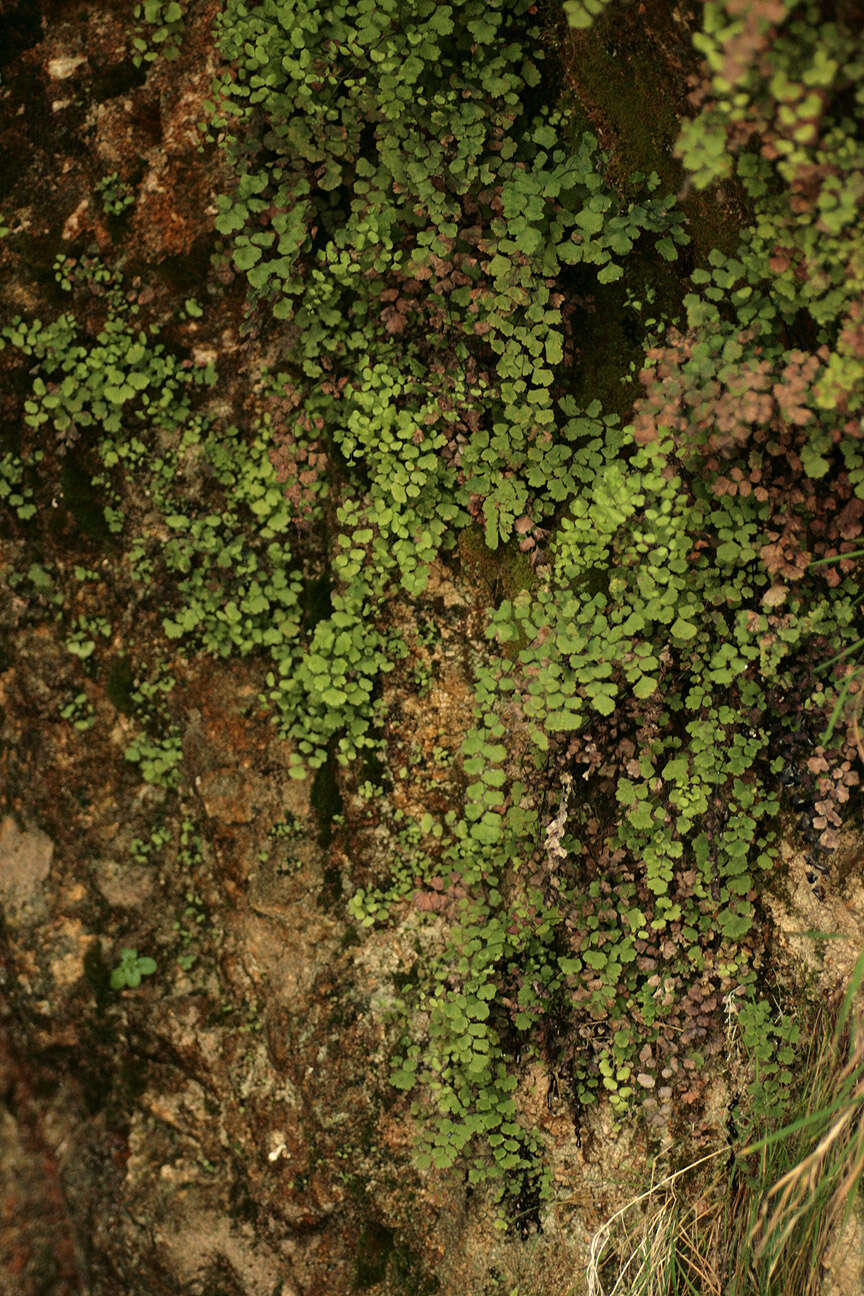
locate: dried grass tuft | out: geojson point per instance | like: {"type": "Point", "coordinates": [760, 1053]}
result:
{"type": "Point", "coordinates": [767, 1225]}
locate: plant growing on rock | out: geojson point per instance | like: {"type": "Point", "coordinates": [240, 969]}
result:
{"type": "Point", "coordinates": [131, 968]}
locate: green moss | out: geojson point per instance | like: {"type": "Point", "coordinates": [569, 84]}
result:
{"type": "Point", "coordinates": [480, 564]}
{"type": "Point", "coordinates": [627, 73]}
{"type": "Point", "coordinates": [618, 73]}
{"type": "Point", "coordinates": [516, 572]}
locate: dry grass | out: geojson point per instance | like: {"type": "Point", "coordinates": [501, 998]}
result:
{"type": "Point", "coordinates": [657, 1243]}
{"type": "Point", "coordinates": [766, 1224]}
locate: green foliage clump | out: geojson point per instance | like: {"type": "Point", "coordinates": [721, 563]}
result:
{"type": "Point", "coordinates": [254, 602]}
{"type": "Point", "coordinates": [115, 194]}
{"type": "Point", "coordinates": [371, 904]}
{"type": "Point", "coordinates": [122, 377]}
{"type": "Point", "coordinates": [771, 70]}
{"type": "Point", "coordinates": [430, 240]}
{"type": "Point", "coordinates": [387, 210]}
{"type": "Point", "coordinates": [15, 490]}
{"type": "Point", "coordinates": [439, 264]}
{"type": "Point", "coordinates": [414, 212]}
{"type": "Point", "coordinates": [131, 968]}
{"type": "Point", "coordinates": [648, 651]}
{"type": "Point", "coordinates": [160, 31]}
{"type": "Point", "coordinates": [79, 711]}
{"type": "Point", "coordinates": [159, 758]}
{"type": "Point", "coordinates": [782, 107]}
{"type": "Point", "coordinates": [582, 13]}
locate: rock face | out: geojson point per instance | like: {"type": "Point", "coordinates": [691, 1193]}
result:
{"type": "Point", "coordinates": [25, 862]}
{"type": "Point", "coordinates": [217, 1128]}
{"type": "Point", "coordinates": [227, 1127]}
